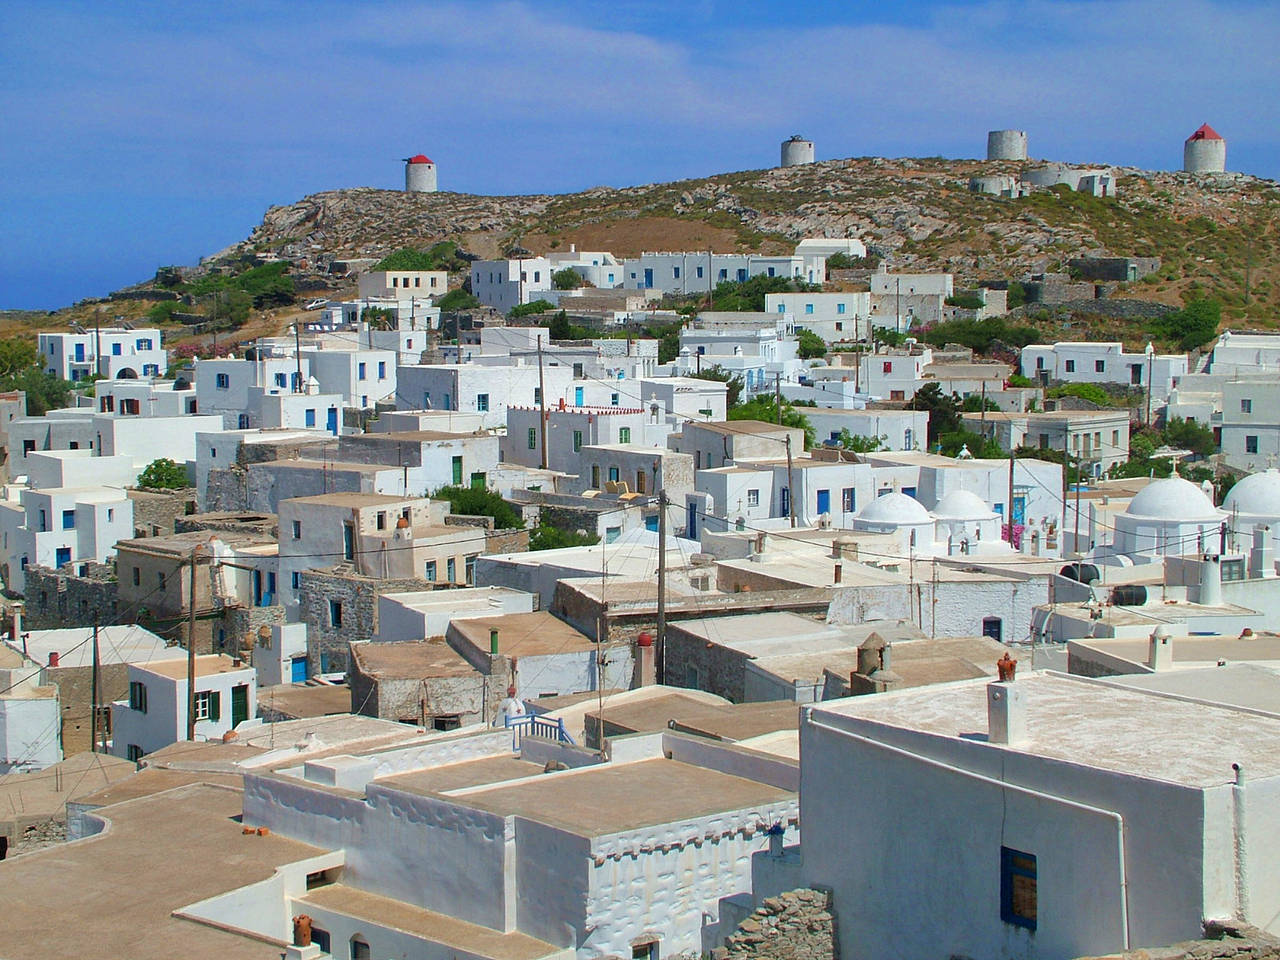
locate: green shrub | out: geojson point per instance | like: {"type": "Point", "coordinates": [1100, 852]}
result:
{"type": "Point", "coordinates": [528, 309]}
{"type": "Point", "coordinates": [553, 538]}
{"type": "Point", "coordinates": [480, 502]}
{"type": "Point", "coordinates": [163, 474]}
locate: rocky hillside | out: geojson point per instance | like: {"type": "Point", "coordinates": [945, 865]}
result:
{"type": "Point", "coordinates": [1216, 236]}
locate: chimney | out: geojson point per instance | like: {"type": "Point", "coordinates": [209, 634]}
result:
{"type": "Point", "coordinates": [839, 572]}
{"type": "Point", "coordinates": [53, 658]}
{"type": "Point", "coordinates": [1160, 649]}
{"type": "Point", "coordinates": [15, 627]}
{"type": "Point", "coordinates": [1006, 712]}
{"type": "Point", "coordinates": [1210, 581]}
{"type": "Point", "coordinates": [646, 664]}
{"type": "Point", "coordinates": [776, 835]}
{"type": "Point", "coordinates": [1261, 560]}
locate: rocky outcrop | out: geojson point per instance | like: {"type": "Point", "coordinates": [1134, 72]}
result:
{"type": "Point", "coordinates": [1222, 941]}
{"type": "Point", "coordinates": [798, 925]}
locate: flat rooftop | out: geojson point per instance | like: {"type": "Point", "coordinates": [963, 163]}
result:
{"type": "Point", "coordinates": [411, 659]}
{"type": "Point", "coordinates": [207, 665]}
{"type": "Point", "coordinates": [1244, 685]}
{"type": "Point", "coordinates": [128, 643]}
{"type": "Point", "coordinates": [612, 798]}
{"type": "Point", "coordinates": [524, 634]}
{"type": "Point", "coordinates": [302, 700]}
{"type": "Point", "coordinates": [44, 793]}
{"type": "Point", "coordinates": [467, 938]}
{"type": "Point", "coordinates": [350, 499]}
{"type": "Point", "coordinates": [1192, 651]}
{"type": "Point", "coordinates": [1092, 724]}
{"type": "Point", "coordinates": [459, 776]}
{"type": "Point", "coordinates": [113, 895]}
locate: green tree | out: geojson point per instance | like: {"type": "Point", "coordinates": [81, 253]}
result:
{"type": "Point", "coordinates": [566, 279]}
{"type": "Point", "coordinates": [379, 318]}
{"type": "Point", "coordinates": [1089, 392]}
{"type": "Point", "coordinates": [1018, 380]}
{"type": "Point", "coordinates": [860, 444]}
{"type": "Point", "coordinates": [456, 300]}
{"type": "Point", "coordinates": [668, 337]}
{"type": "Point", "coordinates": [1016, 294]}
{"type": "Point", "coordinates": [733, 395]}
{"type": "Point", "coordinates": [528, 309]}
{"type": "Point", "coordinates": [44, 391]}
{"type": "Point", "coordinates": [970, 301]}
{"type": "Point", "coordinates": [544, 537]}
{"type": "Point", "coordinates": [980, 447]}
{"type": "Point", "coordinates": [163, 474]}
{"type": "Point", "coordinates": [974, 402]}
{"type": "Point", "coordinates": [763, 407]}
{"type": "Point", "coordinates": [480, 502]}
{"type": "Point", "coordinates": [811, 345]}
{"type": "Point", "coordinates": [1190, 435]}
{"type": "Point", "coordinates": [1193, 325]}
{"type": "Point", "coordinates": [943, 410]}
{"type": "Point", "coordinates": [980, 335]}
{"type": "Point", "coordinates": [888, 337]}
{"type": "Point", "coordinates": [406, 258]}
{"type": "Point", "coordinates": [17, 354]}
{"type": "Point", "coordinates": [749, 294]}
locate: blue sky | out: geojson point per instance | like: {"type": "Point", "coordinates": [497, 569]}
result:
{"type": "Point", "coordinates": [141, 134]}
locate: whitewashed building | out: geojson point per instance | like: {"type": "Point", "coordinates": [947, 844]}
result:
{"type": "Point", "coordinates": [487, 390]}
{"type": "Point", "coordinates": [125, 353]}
{"type": "Point", "coordinates": [504, 284]}
{"type": "Point", "coordinates": [1031, 804]}
{"type": "Point", "coordinates": [832, 316]}
{"type": "Point", "coordinates": [155, 714]}
{"type": "Point", "coordinates": [1098, 362]}
{"type": "Point", "coordinates": [688, 273]}
{"type": "Point", "coordinates": [403, 284]}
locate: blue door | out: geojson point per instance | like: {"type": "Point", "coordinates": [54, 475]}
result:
{"type": "Point", "coordinates": [691, 525]}
{"type": "Point", "coordinates": [784, 502]}
{"type": "Point", "coordinates": [577, 396]}
{"type": "Point", "coordinates": [62, 557]}
{"type": "Point", "coordinates": [1019, 510]}
{"type": "Point", "coordinates": [79, 353]}
{"type": "Point", "coordinates": [651, 524]}
{"type": "Point", "coordinates": [824, 501]}
{"type": "Point", "coordinates": [298, 670]}
{"type": "Point", "coordinates": [648, 278]}
{"type": "Point", "coordinates": [331, 421]}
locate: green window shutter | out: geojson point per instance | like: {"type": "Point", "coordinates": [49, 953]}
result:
{"type": "Point", "coordinates": [215, 706]}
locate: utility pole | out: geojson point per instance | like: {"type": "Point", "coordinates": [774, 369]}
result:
{"type": "Point", "coordinates": [661, 651]}
{"type": "Point", "coordinates": [93, 726]}
{"type": "Point", "coordinates": [777, 395]}
{"type": "Point", "coordinates": [191, 648]}
{"type": "Point", "coordinates": [791, 487]}
{"type": "Point", "coordinates": [1010, 507]}
{"type": "Point", "coordinates": [297, 355]}
{"type": "Point", "coordinates": [542, 408]}
{"type": "Point", "coordinates": [1079, 477]}
{"type": "Point", "coordinates": [97, 341]}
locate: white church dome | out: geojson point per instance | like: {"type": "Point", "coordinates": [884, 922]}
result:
{"type": "Point", "coordinates": [962, 505]}
{"type": "Point", "coordinates": [1257, 495]}
{"type": "Point", "coordinates": [895, 508]}
{"type": "Point", "coordinates": [1173, 499]}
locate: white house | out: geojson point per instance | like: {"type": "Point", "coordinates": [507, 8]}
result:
{"type": "Point", "coordinates": [482, 389]}
{"type": "Point", "coordinates": [757, 347]}
{"type": "Point", "coordinates": [686, 273]}
{"type": "Point", "coordinates": [1097, 362]}
{"type": "Point", "coordinates": [598, 268]}
{"type": "Point", "coordinates": [62, 525]}
{"type": "Point", "coordinates": [129, 354]}
{"type": "Point", "coordinates": [1063, 817]}
{"type": "Point", "coordinates": [361, 377]}
{"type": "Point", "coordinates": [894, 374]}
{"type": "Point", "coordinates": [403, 284]}
{"type": "Point", "coordinates": [1250, 424]}
{"type": "Point", "coordinates": [145, 398]}
{"type": "Point", "coordinates": [1098, 438]}
{"type": "Point", "coordinates": [30, 716]}
{"type": "Point", "coordinates": [155, 715]}
{"type": "Point", "coordinates": [1245, 353]}
{"type": "Point", "coordinates": [895, 429]}
{"type": "Point", "coordinates": [832, 316]}
{"type": "Point", "coordinates": [504, 284]}
{"type": "Point", "coordinates": [568, 429]}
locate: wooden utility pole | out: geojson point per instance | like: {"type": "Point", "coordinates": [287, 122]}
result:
{"type": "Point", "coordinates": [93, 726]}
{"type": "Point", "coordinates": [297, 355]}
{"type": "Point", "coordinates": [542, 408]}
{"type": "Point", "coordinates": [191, 648]}
{"type": "Point", "coordinates": [660, 653]}
{"type": "Point", "coordinates": [777, 395]}
{"type": "Point", "coordinates": [1010, 504]}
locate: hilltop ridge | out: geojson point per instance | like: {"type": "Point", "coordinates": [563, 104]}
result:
{"type": "Point", "coordinates": [1216, 235]}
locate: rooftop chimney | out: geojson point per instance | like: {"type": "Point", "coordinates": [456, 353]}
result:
{"type": "Point", "coordinates": [1006, 706]}
{"type": "Point", "coordinates": [1160, 649]}
{"type": "Point", "coordinates": [53, 658]}
{"type": "Point", "coordinates": [1211, 581]}
{"type": "Point", "coordinates": [1261, 560]}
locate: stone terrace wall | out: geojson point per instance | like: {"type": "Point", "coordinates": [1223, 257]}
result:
{"type": "Point", "coordinates": [791, 926]}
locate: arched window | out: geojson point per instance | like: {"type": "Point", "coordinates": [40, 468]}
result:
{"type": "Point", "coordinates": [360, 948]}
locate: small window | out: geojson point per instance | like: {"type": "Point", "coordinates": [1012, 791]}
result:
{"type": "Point", "coordinates": [577, 441]}
{"type": "Point", "coordinates": [753, 498]}
{"type": "Point", "coordinates": [222, 381]}
{"type": "Point", "coordinates": [297, 529]}
{"type": "Point", "coordinates": [1233, 569]}
{"type": "Point", "coordinates": [360, 371]}
{"type": "Point", "coordinates": [137, 696]}
{"type": "Point", "coordinates": [1039, 363]}
{"type": "Point", "coordinates": [1070, 366]}
{"type": "Point", "coordinates": [808, 308]}
{"type": "Point", "coordinates": [134, 752]}
{"type": "Point", "coordinates": [1099, 366]}
{"type": "Point", "coordinates": [161, 579]}
{"type": "Point", "coordinates": [295, 579]}
{"type": "Point", "coordinates": [335, 613]}
{"type": "Point", "coordinates": [1115, 438]}
{"type": "Point", "coordinates": [204, 704]}
{"type": "Point", "coordinates": [839, 310]}
{"type": "Point", "coordinates": [533, 438]}
{"type": "Point", "coordinates": [429, 571]}
{"type": "Point", "coordinates": [381, 521]}
{"type": "Point", "coordinates": [359, 947]}
{"type": "Point", "coordinates": [624, 435]}
{"type": "Point", "coordinates": [382, 369]}
{"type": "Point", "coordinates": [613, 474]}
{"type": "Point", "coordinates": [137, 576]}
{"type": "Point", "coordinates": [68, 519]}
{"type": "Point", "coordinates": [1017, 888]}
{"type": "Point", "coordinates": [849, 500]}
{"type": "Point", "coordinates": [1246, 406]}
{"type": "Point", "coordinates": [613, 399]}
{"type": "Point", "coordinates": [482, 402]}
{"type": "Point", "coordinates": [1251, 444]}
{"type": "Point", "coordinates": [451, 570]}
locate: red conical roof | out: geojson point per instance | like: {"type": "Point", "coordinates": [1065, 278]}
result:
{"type": "Point", "coordinates": [423, 158]}
{"type": "Point", "coordinates": [1205, 132]}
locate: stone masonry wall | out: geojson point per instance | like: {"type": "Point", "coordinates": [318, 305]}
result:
{"type": "Point", "coordinates": [156, 512]}
{"type": "Point", "coordinates": [358, 597]}
{"type": "Point", "coordinates": [791, 926]}
{"type": "Point", "coordinates": [57, 598]}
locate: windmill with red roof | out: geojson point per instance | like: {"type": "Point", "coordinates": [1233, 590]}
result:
{"type": "Point", "coordinates": [1205, 151]}
{"type": "Point", "coordinates": [419, 174]}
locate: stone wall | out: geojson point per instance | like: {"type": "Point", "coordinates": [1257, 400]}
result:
{"type": "Point", "coordinates": [358, 597]}
{"type": "Point", "coordinates": [791, 926]}
{"type": "Point", "coordinates": [59, 598]}
{"type": "Point", "coordinates": [156, 512]}
{"type": "Point", "coordinates": [1222, 940]}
